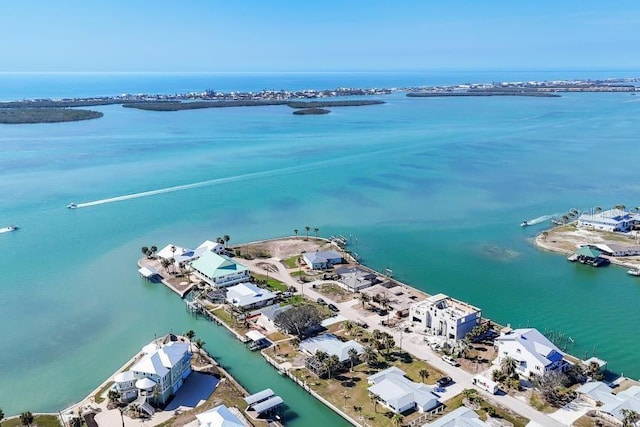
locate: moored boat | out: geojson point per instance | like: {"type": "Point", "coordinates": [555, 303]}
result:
{"type": "Point", "coordinates": [634, 272]}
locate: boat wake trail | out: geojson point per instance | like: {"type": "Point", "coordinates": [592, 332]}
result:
{"type": "Point", "coordinates": [273, 172]}
{"type": "Point", "coordinates": [539, 219]}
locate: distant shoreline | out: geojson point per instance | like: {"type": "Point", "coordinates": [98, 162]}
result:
{"type": "Point", "coordinates": [296, 99]}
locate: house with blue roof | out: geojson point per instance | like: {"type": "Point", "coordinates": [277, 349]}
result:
{"type": "Point", "coordinates": [219, 270]}
{"type": "Point", "coordinates": [532, 351]}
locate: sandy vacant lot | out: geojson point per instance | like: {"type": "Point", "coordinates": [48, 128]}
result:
{"type": "Point", "coordinates": [286, 248]}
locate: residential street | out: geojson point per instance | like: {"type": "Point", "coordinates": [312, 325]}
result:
{"type": "Point", "coordinates": [414, 344]}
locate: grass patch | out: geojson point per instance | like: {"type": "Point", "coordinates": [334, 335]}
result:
{"type": "Point", "coordinates": [277, 336]}
{"type": "Point", "coordinates": [291, 262]}
{"type": "Point", "coordinates": [537, 402]}
{"type": "Point", "coordinates": [223, 315]}
{"type": "Point", "coordinates": [294, 300]}
{"type": "Point", "coordinates": [38, 420]}
{"type": "Point", "coordinates": [99, 396]}
{"type": "Point", "coordinates": [272, 284]}
{"type": "Point", "coordinates": [499, 412]}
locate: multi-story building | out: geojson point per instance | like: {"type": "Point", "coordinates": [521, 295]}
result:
{"type": "Point", "coordinates": [444, 316]}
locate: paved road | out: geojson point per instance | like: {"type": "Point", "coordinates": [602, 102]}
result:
{"type": "Point", "coordinates": [414, 344]}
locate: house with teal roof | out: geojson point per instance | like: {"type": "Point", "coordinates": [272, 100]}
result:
{"type": "Point", "coordinates": [219, 270]}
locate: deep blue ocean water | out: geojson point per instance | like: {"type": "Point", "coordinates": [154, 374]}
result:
{"type": "Point", "coordinates": [434, 189]}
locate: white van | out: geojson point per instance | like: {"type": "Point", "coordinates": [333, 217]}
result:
{"type": "Point", "coordinates": [450, 360]}
{"type": "Point", "coordinates": [486, 384]}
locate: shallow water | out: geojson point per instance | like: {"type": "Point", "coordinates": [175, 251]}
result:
{"type": "Point", "coordinates": [434, 189]}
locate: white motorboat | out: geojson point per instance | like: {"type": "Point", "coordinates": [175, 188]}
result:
{"type": "Point", "coordinates": [524, 224]}
{"type": "Point", "coordinates": [634, 272]}
{"type": "Point", "coordinates": [72, 206]}
{"type": "Point", "coordinates": [9, 228]}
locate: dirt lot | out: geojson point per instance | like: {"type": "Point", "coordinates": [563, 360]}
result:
{"type": "Point", "coordinates": [286, 248]}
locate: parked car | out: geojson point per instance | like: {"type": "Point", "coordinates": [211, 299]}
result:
{"type": "Point", "coordinates": [450, 360]}
{"type": "Point", "coordinates": [444, 381]}
{"type": "Point", "coordinates": [321, 301]}
{"type": "Point", "coordinates": [333, 308]}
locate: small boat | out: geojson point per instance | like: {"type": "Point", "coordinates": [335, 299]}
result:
{"type": "Point", "coordinates": [634, 272]}
{"type": "Point", "coordinates": [9, 229]}
{"type": "Point", "coordinates": [72, 206]}
{"type": "Point", "coordinates": [524, 224]}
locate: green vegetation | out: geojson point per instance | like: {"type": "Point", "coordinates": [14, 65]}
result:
{"type": "Point", "coordinates": [311, 111]}
{"type": "Point", "coordinates": [197, 105]}
{"type": "Point", "coordinates": [38, 420]}
{"type": "Point", "coordinates": [291, 262]}
{"type": "Point", "coordinates": [272, 284]}
{"type": "Point", "coordinates": [293, 300]}
{"type": "Point", "coordinates": [45, 115]}
{"type": "Point", "coordinates": [320, 104]}
{"type": "Point", "coordinates": [99, 396]}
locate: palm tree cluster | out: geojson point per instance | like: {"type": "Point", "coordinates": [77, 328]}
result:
{"type": "Point", "coordinates": [382, 341]}
{"type": "Point", "coordinates": [224, 240]}
{"type": "Point", "coordinates": [149, 252]}
{"type": "Point", "coordinates": [26, 418]}
{"type": "Point", "coordinates": [477, 332]}
{"type": "Point", "coordinates": [507, 374]}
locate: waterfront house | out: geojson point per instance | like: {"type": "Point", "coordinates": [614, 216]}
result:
{"type": "Point", "coordinates": [354, 279]}
{"type": "Point", "coordinates": [607, 405]}
{"type": "Point", "coordinates": [400, 394]}
{"type": "Point", "coordinates": [609, 220]}
{"type": "Point", "coordinates": [163, 369]}
{"type": "Point", "coordinates": [268, 316]}
{"type": "Point", "coordinates": [331, 345]}
{"type": "Point", "coordinates": [219, 270]}
{"type": "Point", "coordinates": [220, 416]}
{"type": "Point", "coordinates": [248, 296]}
{"type": "Point", "coordinates": [461, 417]}
{"type": "Point", "coordinates": [532, 351]}
{"type": "Point", "coordinates": [177, 255]}
{"type": "Point", "coordinates": [210, 246]}
{"type": "Point", "coordinates": [442, 315]}
{"type": "Point", "coordinates": [618, 250]}
{"type": "Point", "coordinates": [321, 260]}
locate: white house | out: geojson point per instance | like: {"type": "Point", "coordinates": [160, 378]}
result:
{"type": "Point", "coordinates": [321, 260]}
{"type": "Point", "coordinates": [608, 405]}
{"type": "Point", "coordinates": [444, 316]}
{"type": "Point", "coordinates": [617, 249]}
{"type": "Point", "coordinates": [400, 394]}
{"type": "Point", "coordinates": [461, 417]}
{"type": "Point", "coordinates": [247, 296]}
{"type": "Point", "coordinates": [220, 416]}
{"type": "Point", "coordinates": [219, 270]}
{"type": "Point", "coordinates": [164, 370]}
{"type": "Point", "coordinates": [609, 220]}
{"type": "Point", "coordinates": [532, 351]}
{"type": "Point", "coordinates": [331, 345]}
{"type": "Point", "coordinates": [210, 246]}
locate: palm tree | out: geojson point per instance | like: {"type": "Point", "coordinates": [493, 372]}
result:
{"type": "Point", "coordinates": [368, 355]}
{"type": "Point", "coordinates": [353, 356]}
{"type": "Point", "coordinates": [397, 420]}
{"type": "Point", "coordinates": [199, 344]}
{"type": "Point", "coordinates": [315, 231]}
{"type": "Point", "coordinates": [332, 364]}
{"type": "Point", "coordinates": [630, 417]}
{"type": "Point", "coordinates": [26, 418]}
{"type": "Point", "coordinates": [374, 400]}
{"type": "Point", "coordinates": [153, 250]}
{"type": "Point", "coordinates": [1, 415]}
{"type": "Point", "coordinates": [307, 228]}
{"type": "Point", "coordinates": [597, 209]}
{"type": "Point", "coordinates": [295, 231]}
{"type": "Point", "coordinates": [424, 374]}
{"type": "Point", "coordinates": [348, 326]}
{"type": "Point", "coordinates": [508, 366]}
{"type": "Point", "coordinates": [565, 219]}
{"type": "Point", "coordinates": [364, 298]}
{"type": "Point", "coordinates": [620, 207]}
{"type": "Point", "coordinates": [226, 239]}
{"type": "Point", "coordinates": [388, 342]}
{"type": "Point", "coordinates": [165, 263]}
{"type": "Point", "coordinates": [189, 335]}
{"type": "Point", "coordinates": [376, 334]}
{"type": "Point", "coordinates": [345, 396]}
{"type": "Point", "coordinates": [144, 250]}
{"type": "Point", "coordinates": [321, 355]}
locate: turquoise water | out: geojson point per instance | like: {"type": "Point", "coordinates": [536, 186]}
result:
{"type": "Point", "coordinates": [433, 188]}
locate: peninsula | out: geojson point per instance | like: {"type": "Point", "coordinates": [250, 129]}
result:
{"type": "Point", "coordinates": [353, 337]}
{"type": "Point", "coordinates": [295, 99]}
{"type": "Point", "coordinates": [45, 115]}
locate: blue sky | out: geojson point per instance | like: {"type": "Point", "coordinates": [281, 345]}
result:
{"type": "Point", "coordinates": [302, 35]}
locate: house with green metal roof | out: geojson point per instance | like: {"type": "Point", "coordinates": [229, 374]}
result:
{"type": "Point", "coordinates": [219, 270]}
